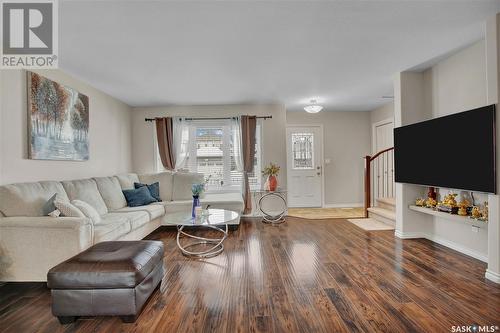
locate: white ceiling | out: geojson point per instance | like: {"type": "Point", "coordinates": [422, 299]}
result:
{"type": "Point", "coordinates": [343, 53]}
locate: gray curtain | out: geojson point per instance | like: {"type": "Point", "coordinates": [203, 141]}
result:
{"type": "Point", "coordinates": [165, 137]}
{"type": "Point", "coordinates": [248, 125]}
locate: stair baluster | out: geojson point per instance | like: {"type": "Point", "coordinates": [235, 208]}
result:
{"type": "Point", "coordinates": [379, 177]}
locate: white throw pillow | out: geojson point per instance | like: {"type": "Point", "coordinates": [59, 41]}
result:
{"type": "Point", "coordinates": [87, 210]}
{"type": "Point", "coordinates": [68, 209]}
{"type": "Point", "coordinates": [55, 213]}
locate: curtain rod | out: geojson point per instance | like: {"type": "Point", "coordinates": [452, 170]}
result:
{"type": "Point", "coordinates": [216, 118]}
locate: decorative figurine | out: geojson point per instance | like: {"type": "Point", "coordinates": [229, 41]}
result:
{"type": "Point", "coordinates": [450, 200]}
{"type": "Point", "coordinates": [476, 213]}
{"type": "Point", "coordinates": [420, 202]}
{"type": "Point", "coordinates": [462, 210]}
{"type": "Point", "coordinates": [430, 203]}
{"type": "Point", "coordinates": [484, 213]}
{"type": "Point", "coordinates": [449, 204]}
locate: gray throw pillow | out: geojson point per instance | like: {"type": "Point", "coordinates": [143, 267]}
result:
{"type": "Point", "coordinates": [49, 206]}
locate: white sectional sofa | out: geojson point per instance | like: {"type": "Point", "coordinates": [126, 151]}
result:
{"type": "Point", "coordinates": [30, 243]}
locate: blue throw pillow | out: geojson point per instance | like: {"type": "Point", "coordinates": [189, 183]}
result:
{"type": "Point", "coordinates": [154, 189]}
{"type": "Point", "coordinates": [138, 197]}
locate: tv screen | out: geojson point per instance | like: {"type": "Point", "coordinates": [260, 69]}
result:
{"type": "Point", "coordinates": [455, 151]}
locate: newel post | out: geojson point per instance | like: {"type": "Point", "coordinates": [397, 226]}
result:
{"type": "Point", "coordinates": [367, 184]}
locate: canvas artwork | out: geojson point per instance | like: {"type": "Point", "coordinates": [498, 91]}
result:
{"type": "Point", "coordinates": [59, 121]}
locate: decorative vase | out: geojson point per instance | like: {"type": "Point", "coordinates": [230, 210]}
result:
{"type": "Point", "coordinates": [196, 203]}
{"type": "Point", "coordinates": [273, 182]}
{"type": "Point", "coordinates": [432, 193]}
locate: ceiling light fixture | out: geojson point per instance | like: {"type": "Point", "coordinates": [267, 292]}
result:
{"type": "Point", "coordinates": [313, 108]}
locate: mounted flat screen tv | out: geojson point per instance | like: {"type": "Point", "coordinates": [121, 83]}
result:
{"type": "Point", "coordinates": [455, 151]}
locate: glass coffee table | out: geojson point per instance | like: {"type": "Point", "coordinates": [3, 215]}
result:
{"type": "Point", "coordinates": [213, 219]}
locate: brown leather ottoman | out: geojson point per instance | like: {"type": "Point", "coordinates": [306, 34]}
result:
{"type": "Point", "coordinates": [108, 279]}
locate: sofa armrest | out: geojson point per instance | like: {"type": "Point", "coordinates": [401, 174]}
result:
{"type": "Point", "coordinates": [44, 222]}
{"type": "Point", "coordinates": [30, 246]}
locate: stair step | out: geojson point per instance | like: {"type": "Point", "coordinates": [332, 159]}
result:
{"type": "Point", "coordinates": [383, 215]}
{"type": "Point", "coordinates": [387, 203]}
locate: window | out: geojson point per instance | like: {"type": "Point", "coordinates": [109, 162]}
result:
{"type": "Point", "coordinates": [211, 153]}
{"type": "Point", "coordinates": [302, 148]}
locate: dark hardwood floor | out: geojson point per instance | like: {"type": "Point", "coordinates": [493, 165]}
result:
{"type": "Point", "coordinates": [301, 276]}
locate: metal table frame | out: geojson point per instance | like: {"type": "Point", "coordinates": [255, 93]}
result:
{"type": "Point", "coordinates": [217, 220]}
{"type": "Point", "coordinates": [266, 216]}
{"type": "Point", "coordinates": [215, 250]}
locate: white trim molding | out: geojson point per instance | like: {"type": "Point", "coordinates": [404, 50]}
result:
{"type": "Point", "coordinates": [444, 242]}
{"type": "Point", "coordinates": [409, 235]}
{"type": "Point", "coordinates": [492, 276]}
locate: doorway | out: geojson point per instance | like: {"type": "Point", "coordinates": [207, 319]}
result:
{"type": "Point", "coordinates": [304, 146]}
{"type": "Point", "coordinates": [382, 133]}
{"type": "Point", "coordinates": [383, 138]}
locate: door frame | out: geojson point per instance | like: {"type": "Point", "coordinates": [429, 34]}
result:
{"type": "Point", "coordinates": [374, 131]}
{"type": "Point", "coordinates": [322, 159]}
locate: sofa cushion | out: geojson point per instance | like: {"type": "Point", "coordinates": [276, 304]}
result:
{"type": "Point", "coordinates": [112, 227]}
{"type": "Point", "coordinates": [134, 219]}
{"type": "Point", "coordinates": [28, 199]}
{"type": "Point", "coordinates": [86, 190]}
{"type": "Point", "coordinates": [111, 192]}
{"type": "Point", "coordinates": [127, 180]}
{"type": "Point", "coordinates": [182, 184]}
{"type": "Point", "coordinates": [154, 210]}
{"type": "Point", "coordinates": [229, 201]}
{"type": "Point", "coordinates": [166, 180]}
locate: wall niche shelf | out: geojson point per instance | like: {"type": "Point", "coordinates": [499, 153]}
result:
{"type": "Point", "coordinates": [451, 217]}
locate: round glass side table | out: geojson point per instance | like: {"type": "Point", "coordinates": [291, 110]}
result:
{"type": "Point", "coordinates": [276, 216]}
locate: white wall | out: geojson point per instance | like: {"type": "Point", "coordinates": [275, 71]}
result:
{"type": "Point", "coordinates": [347, 139]}
{"type": "Point", "coordinates": [492, 41]}
{"type": "Point", "coordinates": [455, 84]}
{"type": "Point", "coordinates": [273, 131]}
{"type": "Point", "coordinates": [109, 133]}
{"type": "Point", "coordinates": [384, 112]}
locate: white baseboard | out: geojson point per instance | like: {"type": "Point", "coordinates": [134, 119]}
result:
{"type": "Point", "coordinates": [459, 248]}
{"type": "Point", "coordinates": [492, 276]}
{"type": "Point", "coordinates": [344, 205]}
{"type": "Point", "coordinates": [409, 235]}
{"type": "Point", "coordinates": [444, 242]}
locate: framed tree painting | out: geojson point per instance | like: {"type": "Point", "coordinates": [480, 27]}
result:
{"type": "Point", "coordinates": [58, 119]}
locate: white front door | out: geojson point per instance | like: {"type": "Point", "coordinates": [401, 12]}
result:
{"type": "Point", "coordinates": [304, 147]}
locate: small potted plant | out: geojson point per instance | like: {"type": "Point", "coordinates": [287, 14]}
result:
{"type": "Point", "coordinates": [271, 171]}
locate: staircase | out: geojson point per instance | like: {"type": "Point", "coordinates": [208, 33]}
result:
{"type": "Point", "coordinates": [384, 211]}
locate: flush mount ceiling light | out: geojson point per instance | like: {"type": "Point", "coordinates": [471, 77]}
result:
{"type": "Point", "coordinates": [313, 108]}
